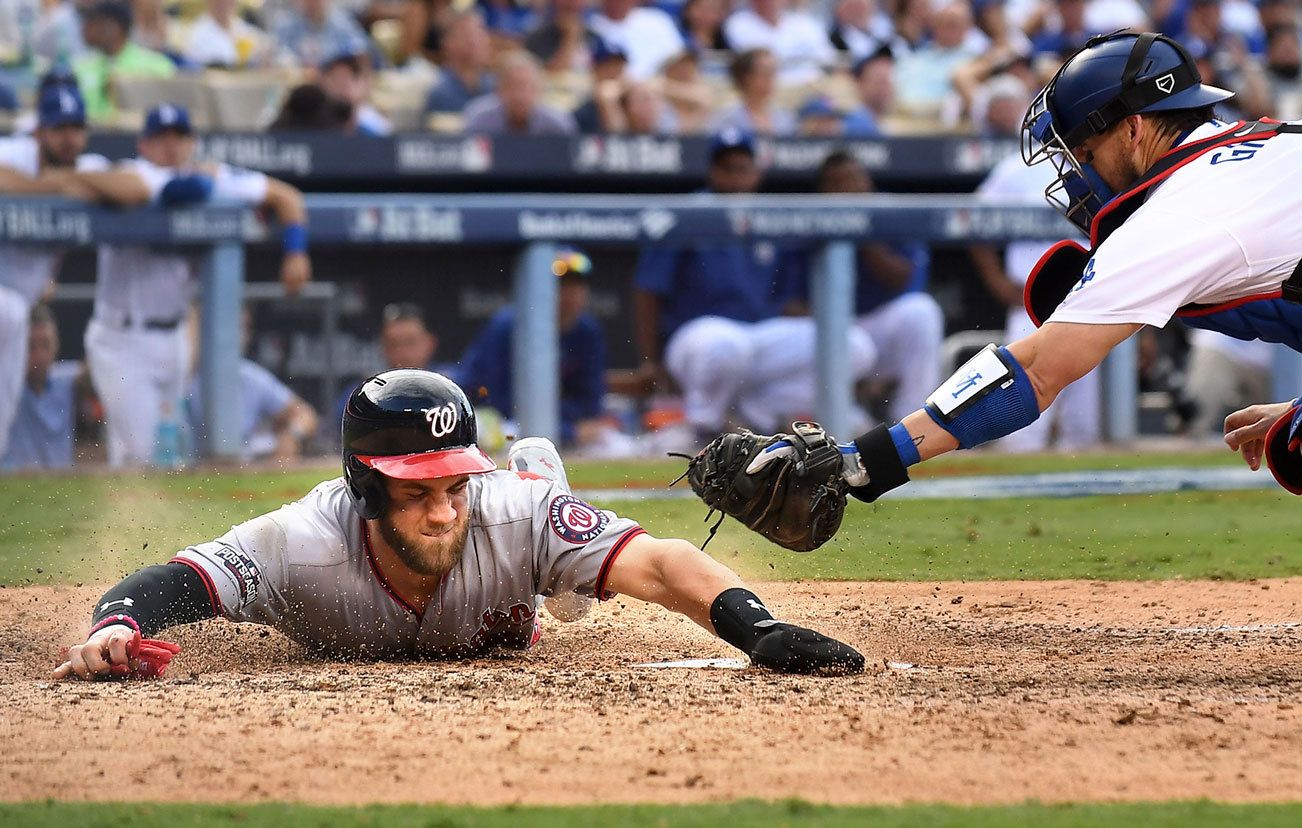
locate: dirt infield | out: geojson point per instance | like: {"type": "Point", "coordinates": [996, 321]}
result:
{"type": "Point", "coordinates": [1061, 691]}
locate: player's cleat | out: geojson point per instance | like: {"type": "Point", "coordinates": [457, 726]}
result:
{"type": "Point", "coordinates": [538, 455]}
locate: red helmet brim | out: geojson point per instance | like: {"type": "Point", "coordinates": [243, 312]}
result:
{"type": "Point", "coordinates": [431, 464]}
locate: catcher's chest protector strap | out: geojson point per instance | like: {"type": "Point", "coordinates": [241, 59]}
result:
{"type": "Point", "coordinates": [882, 461]}
{"type": "Point", "coordinates": [1062, 265]}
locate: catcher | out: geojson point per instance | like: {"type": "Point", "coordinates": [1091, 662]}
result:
{"type": "Point", "coordinates": [424, 550]}
{"type": "Point", "coordinates": [1187, 216]}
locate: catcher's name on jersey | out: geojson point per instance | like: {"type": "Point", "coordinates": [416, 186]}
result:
{"type": "Point", "coordinates": [308, 570]}
{"type": "Point", "coordinates": [1223, 227]}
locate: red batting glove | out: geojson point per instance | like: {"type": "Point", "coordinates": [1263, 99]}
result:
{"type": "Point", "coordinates": [147, 658]}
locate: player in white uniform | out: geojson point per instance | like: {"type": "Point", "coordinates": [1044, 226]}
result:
{"type": "Point", "coordinates": [29, 166]}
{"type": "Point", "coordinates": [423, 550]}
{"type": "Point", "coordinates": [1186, 214]}
{"type": "Point", "coordinates": [136, 343]}
{"type": "Point", "coordinates": [1075, 412]}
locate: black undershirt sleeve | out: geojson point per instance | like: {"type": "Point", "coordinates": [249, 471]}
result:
{"type": "Point", "coordinates": [157, 597]}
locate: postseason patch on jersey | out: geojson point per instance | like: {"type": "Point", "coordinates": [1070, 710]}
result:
{"type": "Point", "coordinates": [243, 570]}
{"type": "Point", "coordinates": [575, 521]}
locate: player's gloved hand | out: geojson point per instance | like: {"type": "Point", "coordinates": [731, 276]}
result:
{"type": "Point", "coordinates": [117, 651]}
{"type": "Point", "coordinates": [791, 649]}
{"type": "Point", "coordinates": [786, 487]}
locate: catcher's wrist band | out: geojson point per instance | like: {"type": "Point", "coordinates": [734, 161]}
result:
{"type": "Point", "coordinates": [886, 470]}
{"type": "Point", "coordinates": [989, 397]}
{"type": "Point", "coordinates": [740, 618]}
{"type": "Point", "coordinates": [904, 445]}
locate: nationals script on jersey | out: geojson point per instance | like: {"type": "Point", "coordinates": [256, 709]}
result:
{"type": "Point", "coordinates": [1225, 226]}
{"type": "Point", "coordinates": [308, 570]}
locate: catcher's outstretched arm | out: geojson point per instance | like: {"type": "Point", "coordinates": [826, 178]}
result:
{"type": "Point", "coordinates": [680, 577]}
{"type": "Point", "coordinates": [998, 392]}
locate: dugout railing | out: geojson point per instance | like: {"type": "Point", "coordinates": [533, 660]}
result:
{"type": "Point", "coordinates": [536, 224]}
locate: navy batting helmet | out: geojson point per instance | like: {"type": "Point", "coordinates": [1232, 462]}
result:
{"type": "Point", "coordinates": [410, 425]}
{"type": "Point", "coordinates": [1111, 77]}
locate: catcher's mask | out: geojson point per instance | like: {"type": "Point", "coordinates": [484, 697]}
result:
{"type": "Point", "coordinates": [1113, 76]}
{"type": "Point", "coordinates": [410, 425]}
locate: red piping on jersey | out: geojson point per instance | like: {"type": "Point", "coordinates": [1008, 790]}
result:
{"type": "Point", "coordinates": [207, 584]}
{"type": "Point", "coordinates": [1206, 310]}
{"type": "Point", "coordinates": [600, 588]}
{"type": "Point", "coordinates": [379, 575]}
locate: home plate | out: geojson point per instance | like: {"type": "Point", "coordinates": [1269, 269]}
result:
{"type": "Point", "coordinates": [700, 664]}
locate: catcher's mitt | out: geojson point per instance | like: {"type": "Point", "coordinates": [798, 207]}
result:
{"type": "Point", "coordinates": [793, 494]}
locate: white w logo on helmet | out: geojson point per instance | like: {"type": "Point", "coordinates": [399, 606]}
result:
{"type": "Point", "coordinates": [442, 419]}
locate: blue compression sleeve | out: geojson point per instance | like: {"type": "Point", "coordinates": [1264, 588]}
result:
{"type": "Point", "coordinates": [980, 402]}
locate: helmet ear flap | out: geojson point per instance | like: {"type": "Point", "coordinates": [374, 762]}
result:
{"type": "Point", "coordinates": [366, 487]}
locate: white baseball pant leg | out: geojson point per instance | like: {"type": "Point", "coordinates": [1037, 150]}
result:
{"type": "Point", "coordinates": [907, 332]}
{"type": "Point", "coordinates": [782, 381]}
{"type": "Point", "coordinates": [137, 374]}
{"type": "Point", "coordinates": [708, 358]}
{"type": "Point", "coordinates": [14, 321]}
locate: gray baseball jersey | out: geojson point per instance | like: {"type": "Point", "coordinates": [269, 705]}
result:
{"type": "Point", "coordinates": [308, 570]}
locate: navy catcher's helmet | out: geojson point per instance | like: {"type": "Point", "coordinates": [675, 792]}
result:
{"type": "Point", "coordinates": [1111, 77]}
{"type": "Point", "coordinates": [411, 425]}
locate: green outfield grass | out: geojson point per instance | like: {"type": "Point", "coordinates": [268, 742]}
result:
{"type": "Point", "coordinates": [94, 528]}
{"type": "Point", "coordinates": [774, 815]}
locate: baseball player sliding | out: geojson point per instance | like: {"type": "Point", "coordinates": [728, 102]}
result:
{"type": "Point", "coordinates": [423, 549]}
{"type": "Point", "coordinates": [1187, 216]}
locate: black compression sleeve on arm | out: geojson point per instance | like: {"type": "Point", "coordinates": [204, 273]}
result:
{"type": "Point", "coordinates": [157, 597]}
{"type": "Point", "coordinates": [740, 618]}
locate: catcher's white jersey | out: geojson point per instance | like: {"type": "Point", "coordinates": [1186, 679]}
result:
{"type": "Point", "coordinates": [308, 570]}
{"type": "Point", "coordinates": [1225, 226]}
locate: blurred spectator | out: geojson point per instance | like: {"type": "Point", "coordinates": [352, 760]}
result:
{"type": "Point", "coordinates": [274, 421]}
{"type": "Point", "coordinates": [819, 117]}
{"type": "Point", "coordinates": [508, 20]}
{"type": "Point", "coordinates": [1059, 30]}
{"type": "Point", "coordinates": [1283, 72]}
{"type": "Point", "coordinates": [924, 77]}
{"type": "Point", "coordinates": [516, 106]}
{"type": "Point", "coordinates": [465, 71]}
{"type": "Point", "coordinates": [709, 316]}
{"type": "Point", "coordinates": [49, 30]}
{"type": "Point", "coordinates": [1272, 13]}
{"type": "Point", "coordinates": [648, 35]}
{"type": "Point", "coordinates": [8, 98]}
{"type": "Point", "coordinates": [220, 37]}
{"type": "Point", "coordinates": [702, 24]}
{"type": "Point", "coordinates": [892, 305]}
{"type": "Point", "coordinates": [150, 25]}
{"type": "Point", "coordinates": [308, 108]}
{"type": "Point", "coordinates": [687, 93]}
{"type": "Point", "coordinates": [1000, 107]}
{"type": "Point", "coordinates": [562, 43]}
{"type": "Point", "coordinates": [1110, 15]}
{"type": "Point", "coordinates": [795, 39]}
{"type": "Point", "coordinates": [754, 76]}
{"type": "Point", "coordinates": [42, 433]}
{"type": "Point", "coordinates": [106, 28]}
{"type": "Point", "coordinates": [1226, 374]}
{"type": "Point", "coordinates": [347, 77]}
{"type": "Point", "coordinates": [486, 368]}
{"type": "Point", "coordinates": [600, 113]}
{"type": "Point", "coordinates": [644, 112]}
{"type": "Point", "coordinates": [860, 29]}
{"type": "Point", "coordinates": [406, 342]}
{"type": "Point", "coordinates": [910, 19]}
{"type": "Point", "coordinates": [137, 345]}
{"type": "Point", "coordinates": [874, 79]}
{"type": "Point", "coordinates": [1002, 39]}
{"type": "Point", "coordinates": [1073, 418]}
{"type": "Point", "coordinates": [424, 24]}
{"type": "Point", "coordinates": [315, 29]}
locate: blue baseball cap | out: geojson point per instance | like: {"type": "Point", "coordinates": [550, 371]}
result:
{"type": "Point", "coordinates": [603, 50]}
{"type": "Point", "coordinates": [167, 118]}
{"type": "Point", "coordinates": [819, 106]}
{"type": "Point", "coordinates": [60, 105]}
{"type": "Point", "coordinates": [731, 138]}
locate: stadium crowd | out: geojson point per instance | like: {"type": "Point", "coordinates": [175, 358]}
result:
{"type": "Point", "coordinates": [721, 331]}
{"type": "Point", "coordinates": [857, 68]}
